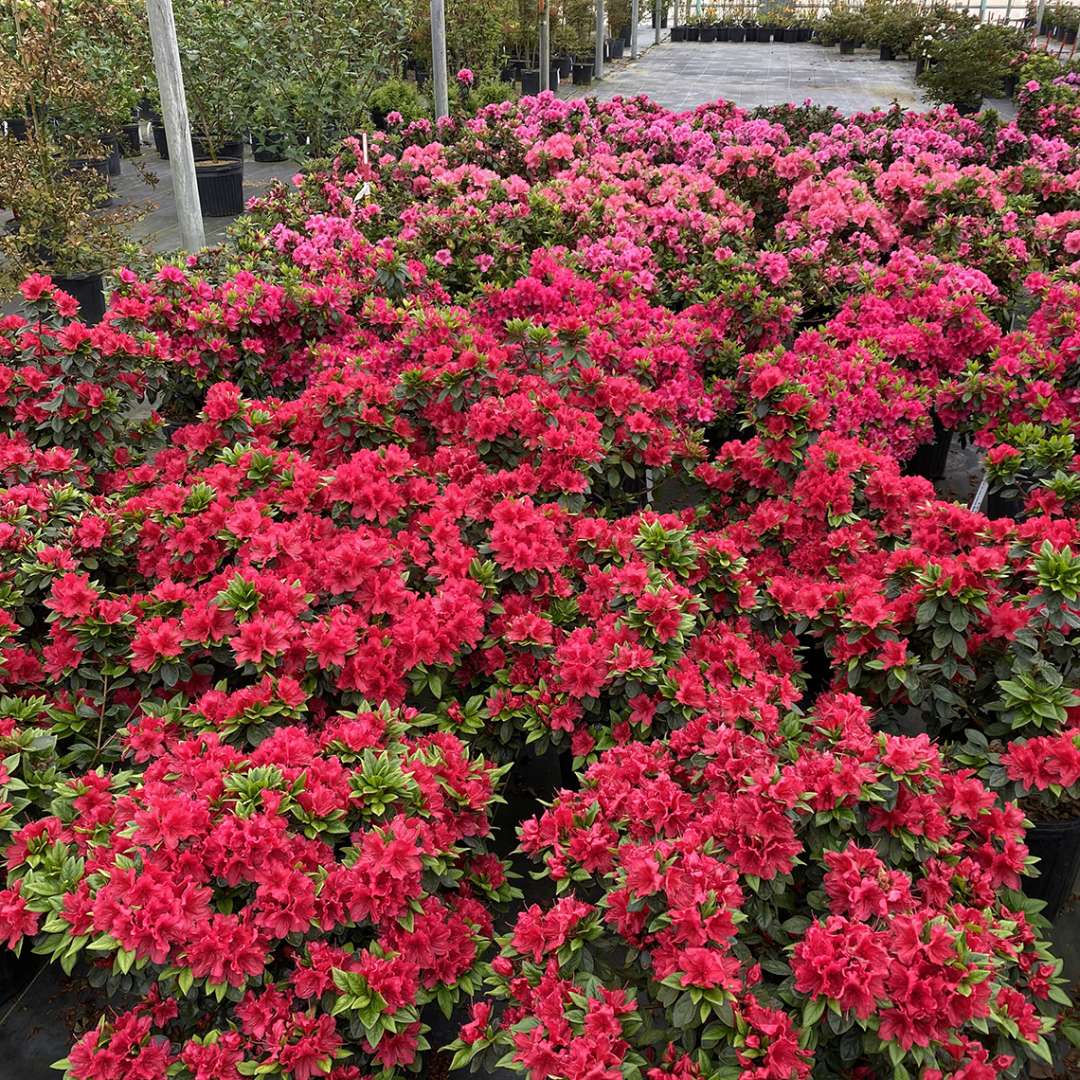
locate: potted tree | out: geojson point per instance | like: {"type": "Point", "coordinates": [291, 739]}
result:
{"type": "Point", "coordinates": [214, 55]}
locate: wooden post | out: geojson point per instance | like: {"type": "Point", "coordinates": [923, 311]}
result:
{"type": "Point", "coordinates": [634, 17]}
{"type": "Point", "coordinates": [170, 77]}
{"type": "Point", "coordinates": [545, 45]}
{"type": "Point", "coordinates": [599, 65]}
{"type": "Point", "coordinates": [438, 59]}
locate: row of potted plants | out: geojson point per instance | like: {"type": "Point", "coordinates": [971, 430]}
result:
{"type": "Point", "coordinates": [1060, 21]}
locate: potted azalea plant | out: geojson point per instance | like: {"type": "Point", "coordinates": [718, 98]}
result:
{"type": "Point", "coordinates": [1030, 748]}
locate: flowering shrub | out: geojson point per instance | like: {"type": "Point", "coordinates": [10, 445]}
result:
{"type": "Point", "coordinates": [89, 390]}
{"type": "Point", "coordinates": [793, 898]}
{"type": "Point", "coordinates": [233, 892]}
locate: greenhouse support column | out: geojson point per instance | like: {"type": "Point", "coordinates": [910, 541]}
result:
{"type": "Point", "coordinates": [982, 11]}
{"type": "Point", "coordinates": [545, 46]}
{"type": "Point", "coordinates": [170, 77]}
{"type": "Point", "coordinates": [634, 17]}
{"type": "Point", "coordinates": [657, 20]}
{"type": "Point", "coordinates": [1040, 12]}
{"type": "Point", "coordinates": [599, 72]}
{"type": "Point", "coordinates": [438, 59]}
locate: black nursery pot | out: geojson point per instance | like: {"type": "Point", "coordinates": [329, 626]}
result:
{"type": "Point", "coordinates": [582, 73]}
{"type": "Point", "coordinates": [847, 48]}
{"type": "Point", "coordinates": [693, 33]}
{"type": "Point", "coordinates": [678, 33]}
{"type": "Point", "coordinates": [530, 81]}
{"type": "Point", "coordinates": [790, 35]}
{"type": "Point", "coordinates": [708, 33]}
{"type": "Point", "coordinates": [131, 140]}
{"type": "Point", "coordinates": [17, 972]}
{"type": "Point", "coordinates": [763, 34]}
{"type": "Point", "coordinates": [737, 34]}
{"type": "Point", "coordinates": [920, 65]}
{"type": "Point", "coordinates": [221, 187]}
{"type": "Point", "coordinates": [566, 67]}
{"type": "Point", "coordinates": [16, 127]}
{"type": "Point", "coordinates": [1009, 84]}
{"type": "Point", "coordinates": [615, 47]}
{"type": "Point", "coordinates": [229, 148]}
{"type": "Point", "coordinates": [98, 165]}
{"type": "Point", "coordinates": [89, 290]}
{"type": "Point", "coordinates": [968, 108]}
{"type": "Point", "coordinates": [805, 33]}
{"type": "Point", "coordinates": [268, 146]}
{"type": "Point", "coordinates": [1070, 37]}
{"type": "Point", "coordinates": [161, 142]}
{"type": "Point", "coordinates": [886, 54]}
{"type": "Point", "coordinates": [929, 460]}
{"type": "Point", "coordinates": [111, 145]}
{"type": "Point", "coordinates": [1057, 844]}
{"type": "Point", "coordinates": [998, 506]}
{"type": "Point", "coordinates": [723, 33]}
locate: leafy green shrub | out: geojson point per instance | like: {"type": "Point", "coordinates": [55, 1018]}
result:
{"type": "Point", "coordinates": [396, 95]}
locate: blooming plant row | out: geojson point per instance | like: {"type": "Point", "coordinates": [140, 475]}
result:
{"type": "Point", "coordinates": [566, 428]}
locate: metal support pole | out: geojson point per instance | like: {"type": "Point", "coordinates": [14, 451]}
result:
{"type": "Point", "coordinates": [634, 16]}
{"type": "Point", "coordinates": [545, 45]}
{"type": "Point", "coordinates": [438, 59]}
{"type": "Point", "coordinates": [599, 66]}
{"type": "Point", "coordinates": [170, 77]}
{"type": "Point", "coordinates": [657, 20]}
{"type": "Point", "coordinates": [1039, 14]}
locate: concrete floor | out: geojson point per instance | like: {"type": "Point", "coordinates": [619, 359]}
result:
{"type": "Point", "coordinates": [683, 75]}
{"type": "Point", "coordinates": [158, 230]}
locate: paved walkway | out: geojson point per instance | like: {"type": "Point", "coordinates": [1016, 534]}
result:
{"type": "Point", "coordinates": [158, 230]}
{"type": "Point", "coordinates": [686, 74]}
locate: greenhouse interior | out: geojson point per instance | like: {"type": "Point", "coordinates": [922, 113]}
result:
{"type": "Point", "coordinates": [540, 539]}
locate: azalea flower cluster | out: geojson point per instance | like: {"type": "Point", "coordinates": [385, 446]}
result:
{"type": "Point", "coordinates": [571, 427]}
{"type": "Point", "coordinates": [766, 877]}
{"type": "Point", "coordinates": [344, 872]}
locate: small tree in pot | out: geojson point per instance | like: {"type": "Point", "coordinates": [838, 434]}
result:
{"type": "Point", "coordinates": [893, 26]}
{"type": "Point", "coordinates": [968, 67]}
{"type": "Point", "coordinates": [844, 24]}
{"type": "Point", "coordinates": [55, 228]}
